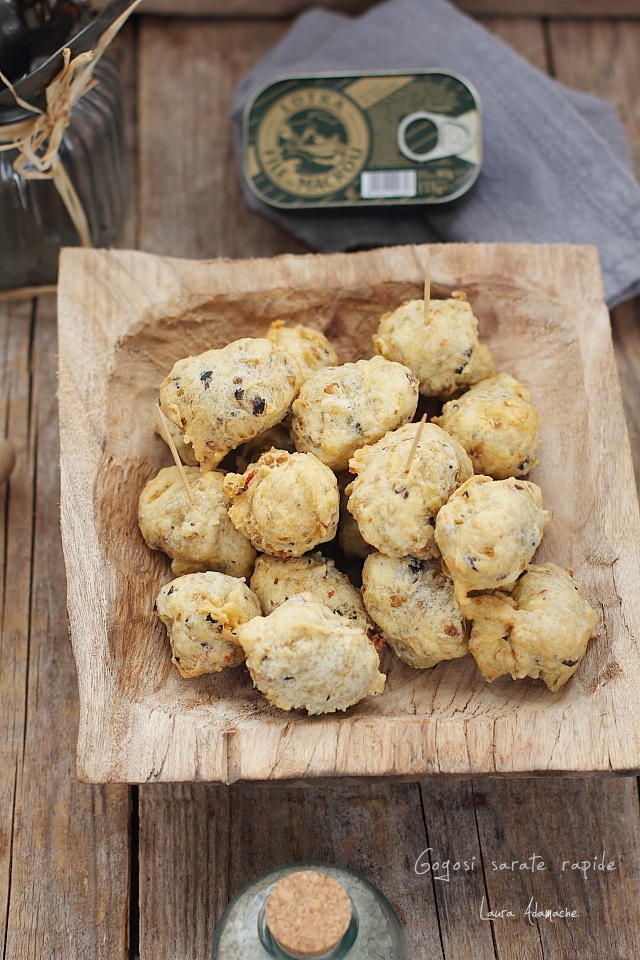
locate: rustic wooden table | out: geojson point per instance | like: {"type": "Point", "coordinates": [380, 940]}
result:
{"type": "Point", "coordinates": [102, 873]}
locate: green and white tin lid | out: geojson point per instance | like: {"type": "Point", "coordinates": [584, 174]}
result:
{"type": "Point", "coordinates": [363, 139]}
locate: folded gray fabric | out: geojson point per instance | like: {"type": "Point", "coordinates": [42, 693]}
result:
{"type": "Point", "coordinates": [556, 165]}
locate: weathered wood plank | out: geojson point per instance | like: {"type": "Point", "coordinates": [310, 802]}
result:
{"type": "Point", "coordinates": [282, 8]}
{"type": "Point", "coordinates": [200, 844]}
{"type": "Point", "coordinates": [452, 837]}
{"type": "Point", "coordinates": [603, 57]}
{"type": "Point", "coordinates": [550, 8]}
{"type": "Point", "coordinates": [190, 204]}
{"type": "Point", "coordinates": [562, 822]}
{"type": "Point", "coordinates": [123, 51]}
{"type": "Point", "coordinates": [525, 35]}
{"type": "Point", "coordinates": [68, 894]}
{"type": "Point", "coordinates": [625, 321]}
{"type": "Point", "coordinates": [184, 869]}
{"type": "Point", "coordinates": [17, 557]}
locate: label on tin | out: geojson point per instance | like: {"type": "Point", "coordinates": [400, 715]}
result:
{"type": "Point", "coordinates": [329, 141]}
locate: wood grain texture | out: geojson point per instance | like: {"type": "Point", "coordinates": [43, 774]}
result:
{"type": "Point", "coordinates": [560, 9]}
{"type": "Point", "coordinates": [524, 35]}
{"type": "Point", "coordinates": [17, 520]}
{"type": "Point", "coordinates": [452, 835]}
{"type": "Point", "coordinates": [64, 854]}
{"type": "Point", "coordinates": [283, 8]}
{"type": "Point", "coordinates": [603, 57]}
{"type": "Point", "coordinates": [185, 857]}
{"type": "Point", "coordinates": [136, 314]}
{"type": "Point", "coordinates": [625, 322]}
{"type": "Point", "coordinates": [563, 822]}
{"type": "Point", "coordinates": [190, 203]}
{"type": "Point", "coordinates": [124, 52]}
{"type": "Point", "coordinates": [200, 844]}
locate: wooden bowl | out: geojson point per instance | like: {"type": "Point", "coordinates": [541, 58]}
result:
{"type": "Point", "coordinates": [126, 317]}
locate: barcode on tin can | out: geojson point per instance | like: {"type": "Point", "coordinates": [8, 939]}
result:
{"type": "Point", "coordinates": [384, 184]}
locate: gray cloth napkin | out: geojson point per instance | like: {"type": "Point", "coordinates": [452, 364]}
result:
{"type": "Point", "coordinates": [556, 165]}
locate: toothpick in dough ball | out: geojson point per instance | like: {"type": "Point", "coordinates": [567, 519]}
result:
{"type": "Point", "coordinates": [497, 425]}
{"type": "Point", "coordinates": [286, 504]}
{"type": "Point", "coordinates": [202, 613]}
{"type": "Point", "coordinates": [185, 450]}
{"type": "Point", "coordinates": [395, 510]}
{"type": "Point", "coordinates": [197, 537]}
{"type": "Point", "coordinates": [275, 580]}
{"type": "Point", "coordinates": [223, 398]}
{"type": "Point", "coordinates": [541, 630]}
{"type": "Point", "coordinates": [310, 347]}
{"type": "Point", "coordinates": [304, 656]}
{"type": "Point", "coordinates": [442, 353]}
{"type": "Point", "coordinates": [488, 532]}
{"type": "Point", "coordinates": [277, 438]}
{"type": "Point", "coordinates": [340, 409]}
{"type": "Point", "coordinates": [413, 604]}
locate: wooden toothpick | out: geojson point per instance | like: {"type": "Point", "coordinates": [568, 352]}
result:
{"type": "Point", "coordinates": [166, 433]}
{"type": "Point", "coordinates": [427, 288]}
{"type": "Point", "coordinates": [415, 443]}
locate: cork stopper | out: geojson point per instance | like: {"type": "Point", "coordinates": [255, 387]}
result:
{"type": "Point", "coordinates": [308, 913]}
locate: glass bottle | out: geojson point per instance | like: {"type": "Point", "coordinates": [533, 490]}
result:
{"type": "Point", "coordinates": [34, 223]}
{"type": "Point", "coordinates": [374, 931]}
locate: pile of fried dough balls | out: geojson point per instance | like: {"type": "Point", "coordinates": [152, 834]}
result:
{"type": "Point", "coordinates": [439, 513]}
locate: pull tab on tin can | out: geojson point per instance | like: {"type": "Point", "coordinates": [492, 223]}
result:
{"type": "Point", "coordinates": [361, 140]}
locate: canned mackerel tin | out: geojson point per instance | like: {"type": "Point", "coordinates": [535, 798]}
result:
{"type": "Point", "coordinates": [363, 139]}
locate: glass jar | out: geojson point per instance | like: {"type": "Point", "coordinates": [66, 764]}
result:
{"type": "Point", "coordinates": [34, 222]}
{"type": "Point", "coordinates": [375, 932]}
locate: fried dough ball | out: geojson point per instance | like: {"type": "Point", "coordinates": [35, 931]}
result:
{"type": "Point", "coordinates": [444, 353]}
{"type": "Point", "coordinates": [185, 450]}
{"type": "Point", "coordinates": [304, 656]}
{"type": "Point", "coordinates": [481, 365]}
{"type": "Point", "coordinates": [197, 537]}
{"type": "Point", "coordinates": [277, 437]}
{"type": "Point", "coordinates": [310, 347]}
{"type": "Point", "coordinates": [497, 425]}
{"type": "Point", "coordinates": [340, 409]}
{"type": "Point", "coordinates": [350, 539]}
{"type": "Point", "coordinates": [286, 503]}
{"type": "Point", "coordinates": [488, 532]}
{"type": "Point", "coordinates": [413, 604]}
{"type": "Point", "coordinates": [275, 581]}
{"type": "Point", "coordinates": [541, 630]}
{"type": "Point", "coordinates": [395, 510]}
{"type": "Point", "coordinates": [223, 398]}
{"type": "Point", "coordinates": [202, 613]}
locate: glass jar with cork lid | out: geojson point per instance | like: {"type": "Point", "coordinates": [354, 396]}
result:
{"type": "Point", "coordinates": [314, 911]}
{"type": "Point", "coordinates": [63, 164]}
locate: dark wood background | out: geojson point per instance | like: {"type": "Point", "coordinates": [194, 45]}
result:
{"type": "Point", "coordinates": [102, 873]}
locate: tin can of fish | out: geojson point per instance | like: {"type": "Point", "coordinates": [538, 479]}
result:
{"type": "Point", "coordinates": [363, 140]}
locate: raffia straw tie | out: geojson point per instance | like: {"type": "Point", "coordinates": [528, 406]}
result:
{"type": "Point", "coordinates": [38, 138]}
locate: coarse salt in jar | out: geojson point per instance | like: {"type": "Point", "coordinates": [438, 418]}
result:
{"type": "Point", "coordinates": [309, 911]}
